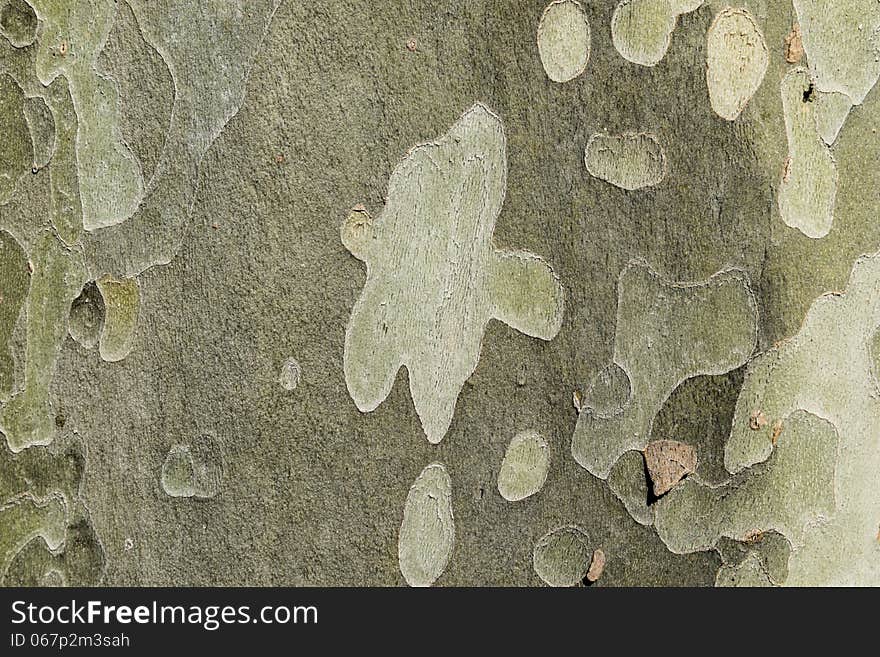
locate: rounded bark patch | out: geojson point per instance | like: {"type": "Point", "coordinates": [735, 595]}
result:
{"type": "Point", "coordinates": [194, 470]}
{"type": "Point", "coordinates": [564, 40]}
{"type": "Point", "coordinates": [87, 316]}
{"type": "Point", "coordinates": [525, 466]}
{"type": "Point", "coordinates": [736, 61]}
{"type": "Point", "coordinates": [666, 332]}
{"type": "Point", "coordinates": [290, 374]}
{"type": "Point", "coordinates": [563, 556]}
{"type": "Point", "coordinates": [609, 393]}
{"type": "Point", "coordinates": [628, 481]}
{"type": "Point", "coordinates": [122, 301]}
{"type": "Point", "coordinates": [642, 29]}
{"type": "Point", "coordinates": [427, 533]}
{"type": "Point", "coordinates": [630, 161]}
{"type": "Point", "coordinates": [16, 148]}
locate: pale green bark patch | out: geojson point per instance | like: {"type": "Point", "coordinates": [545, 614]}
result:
{"type": "Point", "coordinates": [525, 466]}
{"type": "Point", "coordinates": [122, 302]}
{"type": "Point", "coordinates": [73, 35]}
{"type": "Point", "coordinates": [86, 320]}
{"type": "Point", "coordinates": [794, 489]}
{"type": "Point", "coordinates": [736, 61]}
{"type": "Point", "coordinates": [827, 369]}
{"type": "Point", "coordinates": [830, 113]}
{"type": "Point", "coordinates": [16, 149]}
{"type": "Point", "coordinates": [178, 473]}
{"type": "Point", "coordinates": [642, 29]}
{"type": "Point", "coordinates": [67, 211]}
{"type": "Point", "coordinates": [842, 42]}
{"type": "Point", "coordinates": [562, 556]}
{"type": "Point", "coordinates": [81, 562]}
{"type": "Point", "coordinates": [748, 573]}
{"type": "Point", "coordinates": [808, 187]}
{"type": "Point", "coordinates": [42, 128]}
{"type": "Point", "coordinates": [14, 284]}
{"type": "Point", "coordinates": [609, 393]}
{"type": "Point", "coordinates": [667, 332]}
{"type": "Point", "coordinates": [291, 372]}
{"type": "Point", "coordinates": [427, 533]}
{"type": "Point", "coordinates": [145, 88]}
{"type": "Point", "coordinates": [28, 419]}
{"type": "Point", "coordinates": [628, 481]}
{"type": "Point", "coordinates": [434, 276]}
{"type": "Point", "coordinates": [564, 40]}
{"type": "Point", "coordinates": [25, 518]}
{"type": "Point", "coordinates": [767, 554]}
{"type": "Point", "coordinates": [630, 161]}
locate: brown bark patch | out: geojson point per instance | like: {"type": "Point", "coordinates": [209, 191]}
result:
{"type": "Point", "coordinates": [757, 420]}
{"type": "Point", "coordinates": [597, 565]}
{"type": "Point", "coordinates": [669, 461]}
{"type": "Point", "coordinates": [777, 431]}
{"type": "Point", "coordinates": [794, 45]}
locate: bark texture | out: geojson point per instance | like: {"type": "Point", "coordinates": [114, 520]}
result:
{"type": "Point", "coordinates": [380, 292]}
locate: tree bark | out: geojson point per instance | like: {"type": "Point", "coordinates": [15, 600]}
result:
{"type": "Point", "coordinates": [383, 292]}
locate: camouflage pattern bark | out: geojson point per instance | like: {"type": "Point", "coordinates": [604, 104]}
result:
{"type": "Point", "coordinates": [387, 292]}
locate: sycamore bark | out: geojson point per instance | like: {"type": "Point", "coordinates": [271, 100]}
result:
{"type": "Point", "coordinates": [267, 268]}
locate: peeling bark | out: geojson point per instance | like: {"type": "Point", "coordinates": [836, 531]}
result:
{"type": "Point", "coordinates": [253, 254]}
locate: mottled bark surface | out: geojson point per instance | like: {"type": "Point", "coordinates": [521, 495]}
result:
{"type": "Point", "coordinates": [287, 286]}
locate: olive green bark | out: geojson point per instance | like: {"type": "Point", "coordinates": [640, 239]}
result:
{"type": "Point", "coordinates": [377, 293]}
